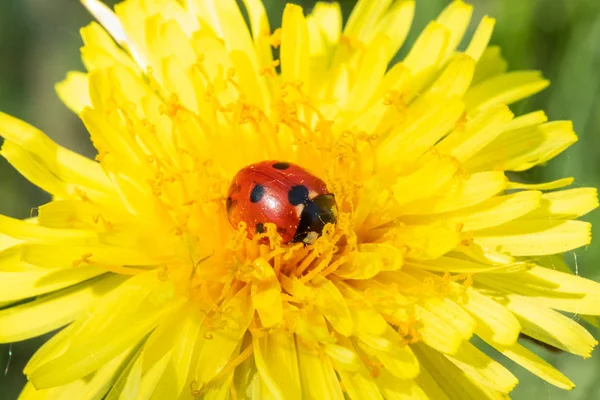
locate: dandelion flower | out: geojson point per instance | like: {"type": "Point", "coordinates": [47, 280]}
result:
{"type": "Point", "coordinates": [161, 298]}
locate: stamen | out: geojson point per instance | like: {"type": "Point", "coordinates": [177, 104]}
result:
{"type": "Point", "coordinates": [276, 38]}
{"type": "Point", "coordinates": [107, 224]}
{"type": "Point", "coordinates": [312, 256]}
{"type": "Point", "coordinates": [320, 267]}
{"type": "Point", "coordinates": [270, 70]}
{"type": "Point", "coordinates": [84, 259]}
{"type": "Point", "coordinates": [334, 266]}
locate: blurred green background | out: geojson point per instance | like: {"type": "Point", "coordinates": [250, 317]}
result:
{"type": "Point", "coordinates": [39, 43]}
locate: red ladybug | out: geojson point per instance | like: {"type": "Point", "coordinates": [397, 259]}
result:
{"type": "Point", "coordinates": [284, 194]}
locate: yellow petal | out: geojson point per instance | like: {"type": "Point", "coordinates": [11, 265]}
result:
{"type": "Point", "coordinates": [526, 120]}
{"type": "Point", "coordinates": [152, 376]}
{"type": "Point", "coordinates": [566, 204]}
{"type": "Point", "coordinates": [73, 91]}
{"type": "Point", "coordinates": [67, 215]}
{"type": "Point", "coordinates": [437, 333]}
{"type": "Point", "coordinates": [226, 19]}
{"type": "Point", "coordinates": [478, 132]}
{"type": "Point", "coordinates": [396, 80]}
{"type": "Point", "coordinates": [366, 320]}
{"type": "Point", "coordinates": [492, 212]}
{"type": "Point", "coordinates": [454, 263]}
{"type": "Point", "coordinates": [370, 260]}
{"type": "Point", "coordinates": [551, 327]}
{"type": "Point", "coordinates": [219, 344]}
{"type": "Point", "coordinates": [277, 363]}
{"type": "Point", "coordinates": [50, 312]}
{"type": "Point", "coordinates": [428, 242]}
{"type": "Point", "coordinates": [317, 375]}
{"type": "Point", "coordinates": [92, 387]}
{"type": "Point", "coordinates": [128, 384]}
{"type": "Point", "coordinates": [430, 386]}
{"type": "Point", "coordinates": [324, 29]}
{"type": "Point", "coordinates": [437, 173]}
{"type": "Point", "coordinates": [132, 16]}
{"type": "Point", "coordinates": [52, 254]}
{"type": "Point", "coordinates": [150, 299]}
{"type": "Point", "coordinates": [331, 303]}
{"type": "Point", "coordinates": [21, 285]}
{"type": "Point", "coordinates": [33, 170]}
{"type": "Point", "coordinates": [557, 184]}
{"type": "Point", "coordinates": [247, 382]}
{"type": "Point", "coordinates": [429, 48]}
{"type": "Point", "coordinates": [504, 89]}
{"type": "Point", "coordinates": [358, 384]}
{"type": "Point", "coordinates": [455, 17]}
{"type": "Point", "coordinates": [167, 39]}
{"type": "Point", "coordinates": [535, 237]}
{"type": "Point", "coordinates": [454, 382]}
{"type": "Point", "coordinates": [453, 314]}
{"type": "Point", "coordinates": [455, 79]}
{"type": "Point", "coordinates": [175, 72]}
{"type": "Point", "coordinates": [424, 123]}
{"type": "Point", "coordinates": [495, 324]}
{"type": "Point", "coordinates": [100, 51]}
{"type": "Point", "coordinates": [53, 347]}
{"type": "Point", "coordinates": [107, 18]}
{"type": "Point", "coordinates": [521, 149]}
{"type": "Point", "coordinates": [259, 24]}
{"type": "Point", "coordinates": [343, 357]}
{"type": "Point", "coordinates": [369, 75]}
{"type": "Point", "coordinates": [482, 369]}
{"type": "Point", "coordinates": [266, 294]}
{"type": "Point", "coordinates": [220, 388]}
{"type": "Point", "coordinates": [481, 38]}
{"type": "Point", "coordinates": [536, 365]}
{"type": "Point", "coordinates": [550, 288]}
{"type": "Point", "coordinates": [295, 287]}
{"type": "Point", "coordinates": [392, 388]}
{"type": "Point", "coordinates": [398, 359]}
{"type": "Point", "coordinates": [7, 241]}
{"type": "Point", "coordinates": [461, 193]}
{"type": "Point", "coordinates": [444, 308]}
{"type": "Point", "coordinates": [328, 17]}
{"type": "Point", "coordinates": [485, 255]}
{"type": "Point", "coordinates": [248, 81]}
{"type": "Point", "coordinates": [64, 164]}
{"type": "Point", "coordinates": [490, 64]}
{"type": "Point", "coordinates": [173, 382]}
{"type": "Point", "coordinates": [294, 46]}
{"type": "Point", "coordinates": [395, 24]}
{"type": "Point", "coordinates": [31, 230]}
{"type": "Point", "coordinates": [362, 265]}
{"type": "Point", "coordinates": [364, 17]}
{"type": "Point", "coordinates": [312, 327]}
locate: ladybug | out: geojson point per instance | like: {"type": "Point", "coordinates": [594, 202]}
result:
{"type": "Point", "coordinates": [284, 194]}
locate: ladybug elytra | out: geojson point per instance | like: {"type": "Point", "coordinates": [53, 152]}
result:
{"type": "Point", "coordinates": [293, 199]}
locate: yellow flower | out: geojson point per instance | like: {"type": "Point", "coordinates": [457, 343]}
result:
{"type": "Point", "coordinates": [163, 299]}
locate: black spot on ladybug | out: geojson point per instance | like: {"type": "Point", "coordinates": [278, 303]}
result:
{"type": "Point", "coordinates": [298, 195]}
{"type": "Point", "coordinates": [257, 193]}
{"type": "Point", "coordinates": [228, 205]}
{"type": "Point", "coordinates": [260, 228]}
{"type": "Point", "coordinates": [281, 165]}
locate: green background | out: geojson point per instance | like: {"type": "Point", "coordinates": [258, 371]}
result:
{"type": "Point", "coordinates": [39, 43]}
